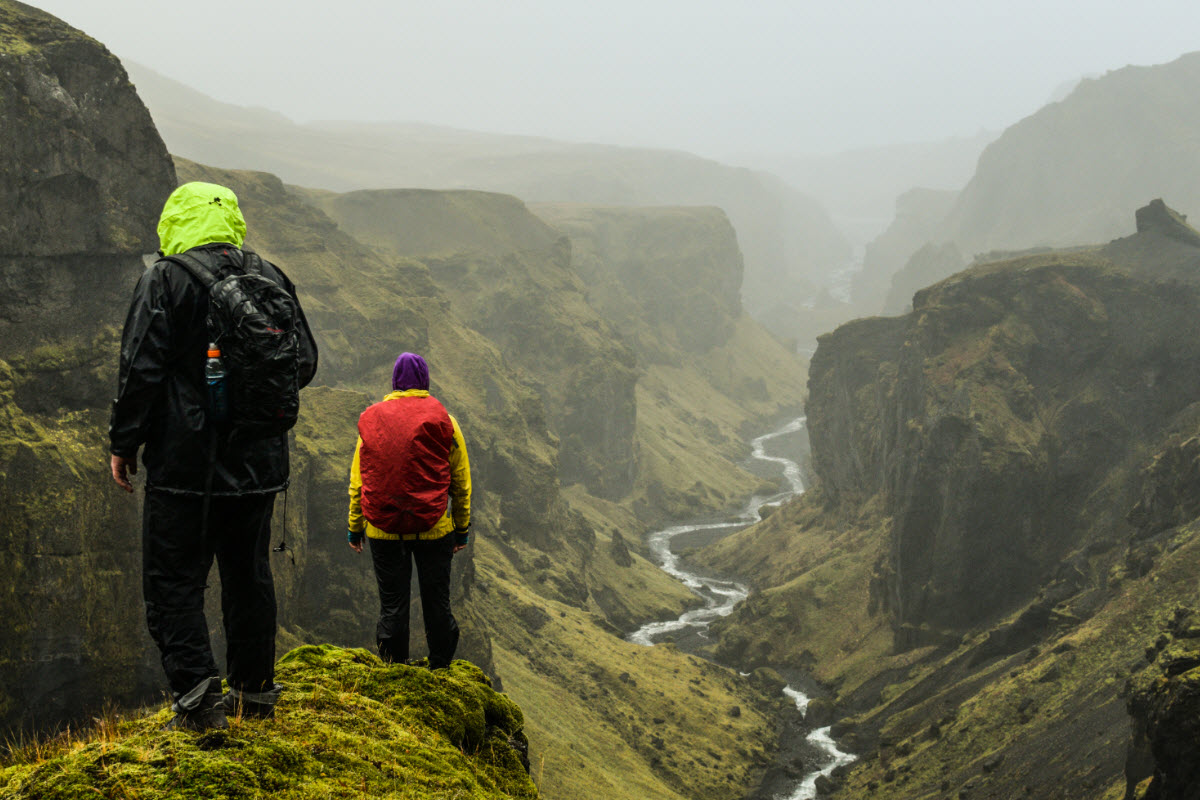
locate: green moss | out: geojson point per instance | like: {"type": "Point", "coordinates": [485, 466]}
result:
{"type": "Point", "coordinates": [347, 726]}
{"type": "Point", "coordinates": [24, 29]}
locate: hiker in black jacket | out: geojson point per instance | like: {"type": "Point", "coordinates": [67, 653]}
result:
{"type": "Point", "coordinates": [210, 491]}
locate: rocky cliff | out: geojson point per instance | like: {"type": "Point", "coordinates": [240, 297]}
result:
{"type": "Point", "coordinates": [790, 243]}
{"type": "Point", "coordinates": [1064, 176]}
{"type": "Point", "coordinates": [541, 594]}
{"type": "Point", "coordinates": [509, 277]}
{"type": "Point", "coordinates": [1001, 525]}
{"type": "Point", "coordinates": [82, 177]}
{"type": "Point", "coordinates": [667, 279]}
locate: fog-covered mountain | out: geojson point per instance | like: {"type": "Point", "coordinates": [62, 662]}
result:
{"type": "Point", "coordinates": [860, 187]}
{"type": "Point", "coordinates": [789, 242]}
{"type": "Point", "coordinates": [1066, 175]}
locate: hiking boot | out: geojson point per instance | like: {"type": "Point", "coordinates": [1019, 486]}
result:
{"type": "Point", "coordinates": [201, 709]}
{"type": "Point", "coordinates": [257, 705]}
{"type": "Point", "coordinates": [392, 652]}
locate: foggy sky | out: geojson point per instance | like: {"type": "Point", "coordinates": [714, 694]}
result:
{"type": "Point", "coordinates": [708, 76]}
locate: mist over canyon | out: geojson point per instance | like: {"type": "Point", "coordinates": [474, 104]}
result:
{"type": "Point", "coordinates": [989, 582]}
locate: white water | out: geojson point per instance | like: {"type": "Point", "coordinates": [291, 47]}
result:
{"type": "Point", "coordinates": [820, 738]}
{"type": "Point", "coordinates": [720, 596]}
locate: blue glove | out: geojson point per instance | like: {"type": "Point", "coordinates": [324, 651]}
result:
{"type": "Point", "coordinates": [462, 538]}
{"type": "Point", "coordinates": [354, 537]}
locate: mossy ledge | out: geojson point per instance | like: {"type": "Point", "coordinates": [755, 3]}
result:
{"type": "Point", "coordinates": [347, 726]}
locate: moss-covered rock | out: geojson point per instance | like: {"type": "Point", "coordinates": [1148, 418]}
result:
{"type": "Point", "coordinates": [1164, 700]}
{"type": "Point", "coordinates": [82, 177]}
{"type": "Point", "coordinates": [1017, 390]}
{"type": "Point", "coordinates": [1003, 516]}
{"type": "Point", "coordinates": [347, 724]}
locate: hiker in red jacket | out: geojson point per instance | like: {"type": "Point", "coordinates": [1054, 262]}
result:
{"type": "Point", "coordinates": [410, 493]}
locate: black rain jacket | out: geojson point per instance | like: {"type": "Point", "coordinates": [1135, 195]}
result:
{"type": "Point", "coordinates": [162, 395]}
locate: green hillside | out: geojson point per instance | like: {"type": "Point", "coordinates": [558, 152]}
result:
{"type": "Point", "coordinates": [1002, 526]}
{"type": "Point", "coordinates": [790, 243]}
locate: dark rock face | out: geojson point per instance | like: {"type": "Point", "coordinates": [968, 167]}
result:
{"type": "Point", "coordinates": [990, 415]}
{"type": "Point", "coordinates": [1170, 489]}
{"type": "Point", "coordinates": [83, 175]}
{"type": "Point", "coordinates": [674, 271]}
{"type": "Point", "coordinates": [1158, 217]}
{"type": "Point", "coordinates": [1164, 701]}
{"type": "Point", "coordinates": [509, 275]}
{"type": "Point", "coordinates": [850, 381]}
{"type": "Point", "coordinates": [83, 167]}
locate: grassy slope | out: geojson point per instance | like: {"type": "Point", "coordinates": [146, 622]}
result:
{"type": "Point", "coordinates": [1055, 714]}
{"type": "Point", "coordinates": [660, 718]}
{"type": "Point", "coordinates": [694, 419]}
{"type": "Point", "coordinates": [383, 305]}
{"type": "Point", "coordinates": [347, 726]}
{"type": "Point", "coordinates": [1015, 704]}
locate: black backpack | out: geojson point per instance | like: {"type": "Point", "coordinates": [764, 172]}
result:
{"type": "Point", "coordinates": [254, 321]}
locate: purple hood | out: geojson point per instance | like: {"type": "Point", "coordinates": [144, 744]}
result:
{"type": "Point", "coordinates": [410, 372]}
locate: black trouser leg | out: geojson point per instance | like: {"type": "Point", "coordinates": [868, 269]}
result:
{"type": "Point", "coordinates": [434, 560]}
{"type": "Point", "coordinates": [393, 575]}
{"type": "Point", "coordinates": [175, 563]}
{"type": "Point", "coordinates": [241, 529]}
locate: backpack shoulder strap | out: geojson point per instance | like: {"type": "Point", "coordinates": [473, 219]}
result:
{"type": "Point", "coordinates": [195, 266]}
{"type": "Point", "coordinates": [252, 263]}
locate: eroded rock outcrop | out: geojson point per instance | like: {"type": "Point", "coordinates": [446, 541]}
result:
{"type": "Point", "coordinates": [1164, 700]}
{"type": "Point", "coordinates": [509, 276]}
{"type": "Point", "coordinates": [1018, 389]}
{"type": "Point", "coordinates": [1004, 513]}
{"type": "Point", "coordinates": [82, 177]}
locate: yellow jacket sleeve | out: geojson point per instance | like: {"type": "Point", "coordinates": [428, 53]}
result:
{"type": "Point", "coordinates": [356, 522]}
{"type": "Point", "coordinates": [460, 479]}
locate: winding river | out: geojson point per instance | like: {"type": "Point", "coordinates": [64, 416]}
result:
{"type": "Point", "coordinates": [720, 596]}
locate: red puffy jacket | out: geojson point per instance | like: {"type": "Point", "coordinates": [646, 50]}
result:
{"type": "Point", "coordinates": [405, 463]}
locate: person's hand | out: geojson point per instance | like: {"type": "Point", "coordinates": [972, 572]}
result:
{"type": "Point", "coordinates": [461, 539]}
{"type": "Point", "coordinates": [122, 468]}
{"type": "Point", "coordinates": [355, 540]}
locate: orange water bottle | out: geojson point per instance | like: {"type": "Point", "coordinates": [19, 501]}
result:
{"type": "Point", "coordinates": [218, 385]}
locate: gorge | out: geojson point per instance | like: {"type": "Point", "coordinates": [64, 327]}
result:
{"type": "Point", "coordinates": [990, 573]}
{"type": "Point", "coordinates": [720, 596]}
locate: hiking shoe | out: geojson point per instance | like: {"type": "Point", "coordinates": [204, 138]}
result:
{"type": "Point", "coordinates": [201, 709]}
{"type": "Point", "coordinates": [257, 705]}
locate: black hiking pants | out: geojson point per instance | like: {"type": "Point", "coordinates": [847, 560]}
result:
{"type": "Point", "coordinates": [176, 558]}
{"type": "Point", "coordinates": [393, 560]}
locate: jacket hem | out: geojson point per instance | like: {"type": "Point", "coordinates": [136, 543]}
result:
{"type": "Point", "coordinates": [200, 492]}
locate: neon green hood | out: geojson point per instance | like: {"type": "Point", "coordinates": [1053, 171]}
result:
{"type": "Point", "coordinates": [200, 213]}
